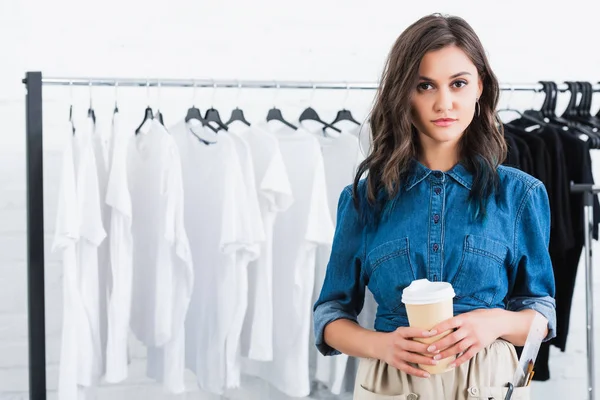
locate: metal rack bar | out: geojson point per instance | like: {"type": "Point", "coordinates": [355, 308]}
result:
{"type": "Point", "coordinates": [588, 222]}
{"type": "Point", "coordinates": [255, 84]}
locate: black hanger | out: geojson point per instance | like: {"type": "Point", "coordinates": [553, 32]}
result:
{"type": "Point", "coordinates": [212, 115]}
{"type": "Point", "coordinates": [551, 111]}
{"type": "Point", "coordinates": [311, 115]}
{"type": "Point", "coordinates": [344, 115]}
{"type": "Point", "coordinates": [194, 113]}
{"type": "Point", "coordinates": [524, 119]}
{"type": "Point", "coordinates": [274, 114]}
{"type": "Point", "coordinates": [91, 113]}
{"type": "Point", "coordinates": [71, 118]}
{"type": "Point", "coordinates": [148, 114]}
{"type": "Point", "coordinates": [570, 116]}
{"type": "Point", "coordinates": [159, 115]}
{"type": "Point", "coordinates": [571, 110]}
{"type": "Point", "coordinates": [160, 118]}
{"type": "Point", "coordinates": [598, 113]}
{"type": "Point", "coordinates": [116, 109]}
{"type": "Point", "coordinates": [237, 115]}
{"type": "Point", "coordinates": [583, 108]}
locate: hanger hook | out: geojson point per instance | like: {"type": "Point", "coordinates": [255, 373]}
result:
{"type": "Point", "coordinates": [193, 93]}
{"type": "Point", "coordinates": [312, 93]}
{"type": "Point", "coordinates": [277, 86]}
{"type": "Point", "coordinates": [239, 92]}
{"type": "Point", "coordinates": [212, 101]}
{"type": "Point", "coordinates": [90, 89]}
{"type": "Point", "coordinates": [158, 84]}
{"type": "Point", "coordinates": [116, 93]}
{"type": "Point", "coordinates": [534, 98]}
{"type": "Point", "coordinates": [512, 90]}
{"type": "Point", "coordinates": [148, 92]}
{"type": "Point", "coordinates": [347, 95]}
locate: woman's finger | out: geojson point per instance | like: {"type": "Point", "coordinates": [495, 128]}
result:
{"type": "Point", "coordinates": [410, 333]}
{"type": "Point", "coordinates": [470, 353]}
{"type": "Point", "coordinates": [459, 347]}
{"type": "Point", "coordinates": [448, 341]}
{"type": "Point", "coordinates": [409, 369]}
{"type": "Point", "coordinates": [416, 358]}
{"type": "Point", "coordinates": [415, 347]}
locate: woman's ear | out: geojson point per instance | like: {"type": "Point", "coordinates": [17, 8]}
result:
{"type": "Point", "coordinates": [480, 88]}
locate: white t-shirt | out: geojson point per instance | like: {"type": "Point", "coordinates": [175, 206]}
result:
{"type": "Point", "coordinates": [274, 195]}
{"type": "Point", "coordinates": [218, 222]}
{"type": "Point", "coordinates": [163, 276]}
{"type": "Point", "coordinates": [298, 233]}
{"type": "Point", "coordinates": [101, 146]}
{"type": "Point", "coordinates": [121, 246]}
{"type": "Point", "coordinates": [342, 156]}
{"type": "Point", "coordinates": [78, 234]}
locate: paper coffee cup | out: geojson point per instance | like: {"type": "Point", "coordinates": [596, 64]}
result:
{"type": "Point", "coordinates": [427, 304]}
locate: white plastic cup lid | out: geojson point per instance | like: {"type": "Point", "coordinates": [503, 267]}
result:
{"type": "Point", "coordinates": [423, 291]}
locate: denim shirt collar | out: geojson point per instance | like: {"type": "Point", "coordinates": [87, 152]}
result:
{"type": "Point", "coordinates": [418, 172]}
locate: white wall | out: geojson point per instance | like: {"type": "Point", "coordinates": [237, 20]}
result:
{"type": "Point", "coordinates": [307, 40]}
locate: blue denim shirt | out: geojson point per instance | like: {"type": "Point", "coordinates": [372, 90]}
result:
{"type": "Point", "coordinates": [501, 262]}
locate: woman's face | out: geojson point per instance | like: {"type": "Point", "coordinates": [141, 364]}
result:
{"type": "Point", "coordinates": [443, 103]}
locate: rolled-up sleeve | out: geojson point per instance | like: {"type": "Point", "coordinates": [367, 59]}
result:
{"type": "Point", "coordinates": [533, 278]}
{"type": "Point", "coordinates": [343, 292]}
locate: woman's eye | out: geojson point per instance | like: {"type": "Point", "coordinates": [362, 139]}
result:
{"type": "Point", "coordinates": [459, 84]}
{"type": "Point", "coordinates": [424, 86]}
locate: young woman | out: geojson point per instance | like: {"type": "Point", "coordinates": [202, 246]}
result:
{"type": "Point", "coordinates": [437, 204]}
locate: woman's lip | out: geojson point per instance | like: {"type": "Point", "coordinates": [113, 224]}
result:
{"type": "Point", "coordinates": [444, 121]}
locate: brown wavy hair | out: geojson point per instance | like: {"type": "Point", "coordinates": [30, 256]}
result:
{"type": "Point", "coordinates": [395, 139]}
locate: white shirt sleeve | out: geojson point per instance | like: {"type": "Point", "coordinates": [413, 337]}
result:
{"type": "Point", "coordinates": [247, 168]}
{"type": "Point", "coordinates": [320, 227]}
{"type": "Point", "coordinates": [89, 198]}
{"type": "Point", "coordinates": [275, 186]}
{"type": "Point", "coordinates": [237, 232]}
{"type": "Point", "coordinates": [67, 222]}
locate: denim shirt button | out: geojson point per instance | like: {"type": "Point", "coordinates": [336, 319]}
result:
{"type": "Point", "coordinates": [435, 247]}
{"type": "Point", "coordinates": [437, 174]}
{"type": "Point", "coordinates": [436, 218]}
{"type": "Point", "coordinates": [437, 190]}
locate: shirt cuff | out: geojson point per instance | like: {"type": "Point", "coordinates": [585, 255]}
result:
{"type": "Point", "coordinates": [323, 315]}
{"type": "Point", "coordinates": [543, 305]}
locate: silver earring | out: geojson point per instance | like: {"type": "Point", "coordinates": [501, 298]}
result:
{"type": "Point", "coordinates": [477, 106]}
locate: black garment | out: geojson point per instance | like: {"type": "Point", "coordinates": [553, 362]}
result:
{"type": "Point", "coordinates": [579, 167]}
{"type": "Point", "coordinates": [512, 154]}
{"type": "Point", "coordinates": [561, 235]}
{"type": "Point", "coordinates": [570, 161]}
{"type": "Point", "coordinates": [541, 158]}
{"type": "Point", "coordinates": [525, 158]}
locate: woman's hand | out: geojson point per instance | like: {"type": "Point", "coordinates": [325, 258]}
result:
{"type": "Point", "coordinates": [399, 349]}
{"type": "Point", "coordinates": [475, 330]}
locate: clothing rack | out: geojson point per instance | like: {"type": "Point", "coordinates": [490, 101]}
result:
{"type": "Point", "coordinates": [35, 189]}
{"type": "Point", "coordinates": [588, 222]}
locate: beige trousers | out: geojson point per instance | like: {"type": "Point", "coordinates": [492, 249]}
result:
{"type": "Point", "coordinates": [483, 377]}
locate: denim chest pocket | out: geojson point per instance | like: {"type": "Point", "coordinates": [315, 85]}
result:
{"type": "Point", "coordinates": [390, 272]}
{"type": "Point", "coordinates": [481, 273]}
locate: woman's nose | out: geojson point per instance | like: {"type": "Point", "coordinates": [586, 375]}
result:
{"type": "Point", "coordinates": [444, 100]}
